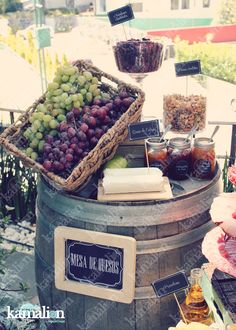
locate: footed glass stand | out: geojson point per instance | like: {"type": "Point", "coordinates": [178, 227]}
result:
{"type": "Point", "coordinates": [139, 77]}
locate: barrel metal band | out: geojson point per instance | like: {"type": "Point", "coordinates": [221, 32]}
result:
{"type": "Point", "coordinates": [127, 215]}
{"type": "Point", "coordinates": [162, 244]}
{"type": "Point", "coordinates": [175, 241]}
{"type": "Point", "coordinates": [140, 293]}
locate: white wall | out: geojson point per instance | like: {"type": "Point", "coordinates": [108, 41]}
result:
{"type": "Point", "coordinates": [162, 8]}
{"type": "Point", "coordinates": [50, 4]}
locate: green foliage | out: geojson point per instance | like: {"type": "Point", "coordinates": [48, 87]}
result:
{"type": "Point", "coordinates": [7, 6]}
{"type": "Point", "coordinates": [63, 23]}
{"type": "Point", "coordinates": [20, 20]}
{"type": "Point", "coordinates": [217, 60]}
{"type": "Point", "coordinates": [17, 189]}
{"type": "Point", "coordinates": [227, 185]}
{"type": "Point", "coordinates": [24, 286]}
{"type": "Point", "coordinates": [228, 12]}
{"type": "Point", "coordinates": [24, 45]}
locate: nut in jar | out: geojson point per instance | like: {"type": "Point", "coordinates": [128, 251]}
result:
{"type": "Point", "coordinates": [183, 112]}
{"type": "Point", "coordinates": [203, 158]}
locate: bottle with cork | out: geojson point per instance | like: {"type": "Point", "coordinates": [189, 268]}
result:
{"type": "Point", "coordinates": [195, 308]}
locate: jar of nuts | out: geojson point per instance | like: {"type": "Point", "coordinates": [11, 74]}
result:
{"type": "Point", "coordinates": [183, 112]}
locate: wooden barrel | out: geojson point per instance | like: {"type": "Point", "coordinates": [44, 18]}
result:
{"type": "Point", "coordinates": [168, 234]}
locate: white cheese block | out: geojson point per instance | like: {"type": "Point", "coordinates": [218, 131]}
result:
{"type": "Point", "coordinates": [132, 183]}
{"type": "Point", "coordinates": [132, 171]}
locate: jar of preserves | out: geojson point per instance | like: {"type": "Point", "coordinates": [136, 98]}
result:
{"type": "Point", "coordinates": [203, 158]}
{"type": "Point", "coordinates": [157, 154]}
{"type": "Point", "coordinates": [179, 158]}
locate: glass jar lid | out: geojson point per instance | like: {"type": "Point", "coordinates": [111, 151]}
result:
{"type": "Point", "coordinates": [156, 144]}
{"type": "Point", "coordinates": [180, 143]}
{"type": "Point", "coordinates": [204, 143]}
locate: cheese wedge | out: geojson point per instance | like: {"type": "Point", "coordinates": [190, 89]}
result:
{"type": "Point", "coordinates": [132, 183]}
{"type": "Point", "coordinates": [132, 171]}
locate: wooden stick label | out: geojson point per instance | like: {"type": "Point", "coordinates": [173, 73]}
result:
{"type": "Point", "coordinates": [121, 15]}
{"type": "Point", "coordinates": [187, 68]}
{"type": "Point", "coordinates": [170, 284]}
{"type": "Point", "coordinates": [144, 130]}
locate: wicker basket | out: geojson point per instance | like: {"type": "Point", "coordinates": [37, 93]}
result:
{"type": "Point", "coordinates": [104, 150]}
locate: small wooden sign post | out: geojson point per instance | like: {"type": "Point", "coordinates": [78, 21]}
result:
{"type": "Point", "coordinates": [95, 264]}
{"type": "Point", "coordinates": [188, 68]}
{"type": "Point", "coordinates": [120, 16]}
{"type": "Point", "coordinates": [170, 285]}
{"type": "Point", "coordinates": [144, 130]}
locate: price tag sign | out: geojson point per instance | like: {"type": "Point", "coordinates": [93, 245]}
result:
{"type": "Point", "coordinates": [95, 264]}
{"type": "Point", "coordinates": [121, 15]}
{"type": "Point", "coordinates": [170, 284]}
{"type": "Point", "coordinates": [144, 130]}
{"type": "Point", "coordinates": [187, 68]}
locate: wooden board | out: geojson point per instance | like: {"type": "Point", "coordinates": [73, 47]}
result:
{"type": "Point", "coordinates": [85, 285]}
{"type": "Point", "coordinates": [142, 196]}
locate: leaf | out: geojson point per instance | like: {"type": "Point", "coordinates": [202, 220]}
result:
{"type": "Point", "coordinates": [24, 286]}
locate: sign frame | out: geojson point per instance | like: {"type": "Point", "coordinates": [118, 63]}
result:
{"type": "Point", "coordinates": [143, 123]}
{"type": "Point", "coordinates": [182, 69]}
{"type": "Point", "coordinates": [111, 15]}
{"type": "Point", "coordinates": [166, 279]}
{"type": "Point", "coordinates": [128, 244]}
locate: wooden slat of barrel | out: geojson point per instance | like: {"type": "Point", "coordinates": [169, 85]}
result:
{"type": "Point", "coordinates": [168, 239]}
{"type": "Point", "coordinates": [146, 312]}
{"type": "Point", "coordinates": [75, 313]}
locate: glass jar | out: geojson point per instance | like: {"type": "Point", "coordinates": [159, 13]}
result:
{"type": "Point", "coordinates": [179, 158]}
{"type": "Point", "coordinates": [203, 158]}
{"type": "Point", "coordinates": [138, 55]}
{"type": "Point", "coordinates": [157, 154]}
{"type": "Point", "coordinates": [184, 112]}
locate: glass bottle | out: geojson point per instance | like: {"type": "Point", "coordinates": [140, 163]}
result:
{"type": "Point", "coordinates": [194, 307]}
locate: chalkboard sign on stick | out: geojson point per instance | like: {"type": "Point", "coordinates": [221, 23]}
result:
{"type": "Point", "coordinates": [121, 15]}
{"type": "Point", "coordinates": [144, 130]}
{"type": "Point", "coordinates": [170, 284]}
{"type": "Point", "coordinates": [95, 264]}
{"type": "Point", "coordinates": [187, 68]}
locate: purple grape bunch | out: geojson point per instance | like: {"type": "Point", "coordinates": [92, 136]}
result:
{"type": "Point", "coordinates": [80, 133]}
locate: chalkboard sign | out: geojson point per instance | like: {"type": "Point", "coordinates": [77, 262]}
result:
{"type": "Point", "coordinates": [144, 130]}
{"type": "Point", "coordinates": [95, 264]}
{"type": "Point", "coordinates": [170, 284]}
{"type": "Point", "coordinates": [187, 68]}
{"type": "Point", "coordinates": [121, 15]}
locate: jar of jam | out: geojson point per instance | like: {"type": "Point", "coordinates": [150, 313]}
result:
{"type": "Point", "coordinates": [179, 158]}
{"type": "Point", "coordinates": [203, 158]}
{"type": "Point", "coordinates": [157, 154]}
